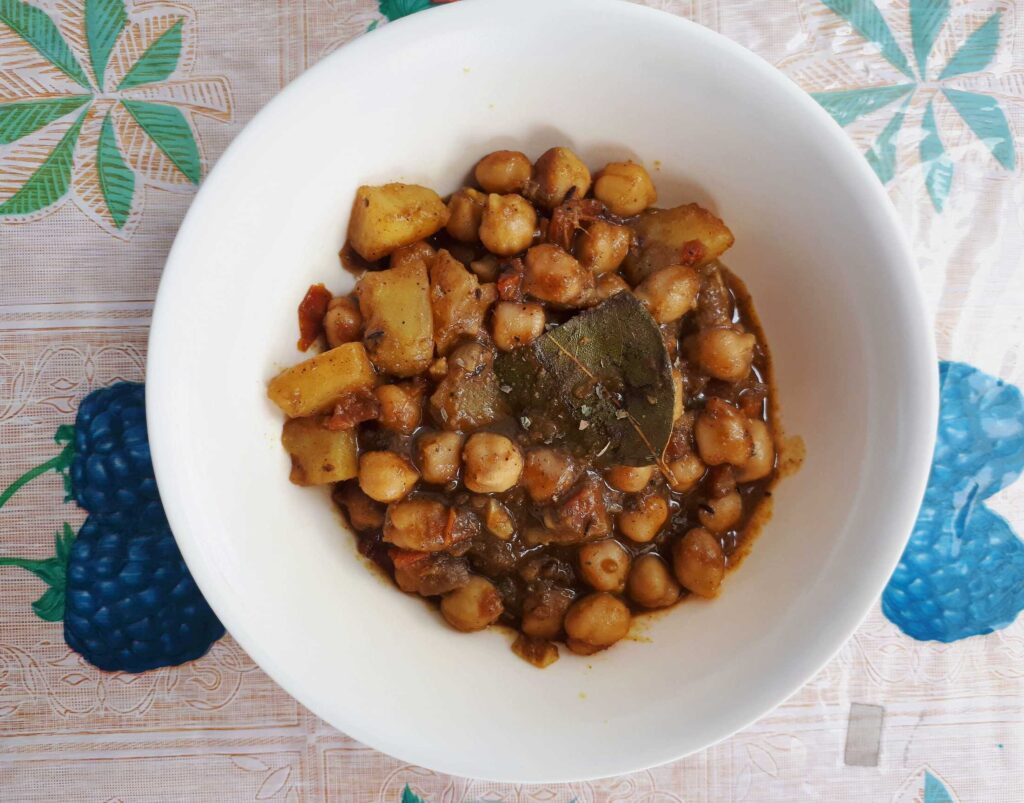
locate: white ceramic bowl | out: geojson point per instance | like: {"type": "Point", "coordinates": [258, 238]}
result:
{"type": "Point", "coordinates": [420, 100]}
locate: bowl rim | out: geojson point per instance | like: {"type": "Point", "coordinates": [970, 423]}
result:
{"type": "Point", "coordinates": [173, 290]}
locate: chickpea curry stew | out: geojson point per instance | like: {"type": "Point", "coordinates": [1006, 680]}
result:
{"type": "Point", "coordinates": [545, 404]}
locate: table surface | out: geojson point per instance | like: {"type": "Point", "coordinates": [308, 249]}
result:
{"type": "Point", "coordinates": [926, 700]}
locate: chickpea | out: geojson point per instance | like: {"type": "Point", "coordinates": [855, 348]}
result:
{"type": "Point", "coordinates": [544, 612]}
{"type": "Point", "coordinates": [472, 607]}
{"type": "Point", "coordinates": [603, 246]}
{"type": "Point", "coordinates": [342, 322]}
{"type": "Point", "coordinates": [556, 172]}
{"type": "Point", "coordinates": [386, 476]}
{"type": "Point", "coordinates": [625, 188]}
{"type": "Point", "coordinates": [401, 406]}
{"type": "Point", "coordinates": [503, 171]}
{"type": "Point", "coordinates": [610, 284]}
{"type": "Point", "coordinates": [507, 225]}
{"type": "Point", "coordinates": [720, 481]}
{"type": "Point", "coordinates": [486, 268]}
{"type": "Point", "coordinates": [684, 473]}
{"type": "Point", "coordinates": [548, 473]}
{"type": "Point", "coordinates": [417, 524]}
{"type": "Point", "coordinates": [595, 622]}
{"type": "Point", "coordinates": [493, 463]}
{"type": "Point", "coordinates": [420, 251]}
{"type": "Point", "coordinates": [723, 434]}
{"type": "Point", "coordinates": [725, 353]}
{"type": "Point", "coordinates": [630, 479]}
{"type": "Point", "coordinates": [440, 454]}
{"type": "Point", "coordinates": [719, 515]}
{"type": "Point", "coordinates": [699, 562]}
{"type": "Point", "coordinates": [670, 292]}
{"type": "Point", "coordinates": [643, 518]}
{"type": "Point", "coordinates": [762, 458]}
{"type": "Point", "coordinates": [605, 565]}
{"type": "Point", "coordinates": [555, 276]}
{"type": "Point", "coordinates": [651, 584]}
{"type": "Point", "coordinates": [516, 325]}
{"type": "Point", "coordinates": [677, 395]}
{"type": "Point", "coordinates": [465, 211]}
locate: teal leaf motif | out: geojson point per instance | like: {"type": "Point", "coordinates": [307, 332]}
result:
{"type": "Point", "coordinates": [882, 156]}
{"type": "Point", "coordinates": [396, 9]}
{"type": "Point", "coordinates": [409, 796]}
{"type": "Point", "coordinates": [986, 119]}
{"type": "Point", "coordinates": [847, 105]}
{"type": "Point", "coordinates": [926, 20]}
{"type": "Point", "coordinates": [934, 790]}
{"type": "Point", "coordinates": [937, 166]}
{"type": "Point", "coordinates": [169, 129]}
{"type": "Point", "coordinates": [117, 181]}
{"type": "Point", "coordinates": [21, 118]}
{"type": "Point", "coordinates": [35, 27]}
{"type": "Point", "coordinates": [104, 21]}
{"type": "Point", "coordinates": [868, 21]}
{"type": "Point", "coordinates": [159, 60]}
{"type": "Point", "coordinates": [976, 53]}
{"type": "Point", "coordinates": [50, 182]}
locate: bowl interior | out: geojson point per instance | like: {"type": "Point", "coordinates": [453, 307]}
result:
{"type": "Point", "coordinates": [419, 101]}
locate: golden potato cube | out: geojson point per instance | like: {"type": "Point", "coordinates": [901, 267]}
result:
{"type": "Point", "coordinates": [319, 455]}
{"type": "Point", "coordinates": [314, 385]}
{"type": "Point", "coordinates": [684, 235]}
{"type": "Point", "coordinates": [398, 324]}
{"type": "Point", "coordinates": [388, 217]}
{"type": "Point", "coordinates": [458, 300]}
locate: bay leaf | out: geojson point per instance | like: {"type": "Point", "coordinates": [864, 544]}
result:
{"type": "Point", "coordinates": [599, 385]}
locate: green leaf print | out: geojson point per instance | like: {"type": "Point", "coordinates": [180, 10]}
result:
{"type": "Point", "coordinates": [52, 571]}
{"type": "Point", "coordinates": [976, 53]}
{"type": "Point", "coordinates": [21, 118]}
{"type": "Point", "coordinates": [159, 60]}
{"type": "Point", "coordinates": [35, 27]}
{"type": "Point", "coordinates": [50, 181]}
{"type": "Point", "coordinates": [985, 118]}
{"type": "Point", "coordinates": [169, 129]}
{"type": "Point", "coordinates": [104, 21]}
{"type": "Point", "coordinates": [62, 541]}
{"type": "Point", "coordinates": [117, 181]}
{"type": "Point", "coordinates": [868, 21]}
{"type": "Point", "coordinates": [50, 606]}
{"type": "Point", "coordinates": [847, 105]}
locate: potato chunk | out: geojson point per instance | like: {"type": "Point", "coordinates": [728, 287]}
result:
{"type": "Point", "coordinates": [398, 325]}
{"type": "Point", "coordinates": [684, 235]}
{"type": "Point", "coordinates": [388, 217]}
{"type": "Point", "coordinates": [314, 385]}
{"type": "Point", "coordinates": [458, 300]}
{"type": "Point", "coordinates": [319, 455]}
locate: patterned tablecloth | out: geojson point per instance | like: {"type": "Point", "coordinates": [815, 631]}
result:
{"type": "Point", "coordinates": [112, 111]}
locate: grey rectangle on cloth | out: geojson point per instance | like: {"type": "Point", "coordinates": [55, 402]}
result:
{"type": "Point", "coordinates": [863, 735]}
